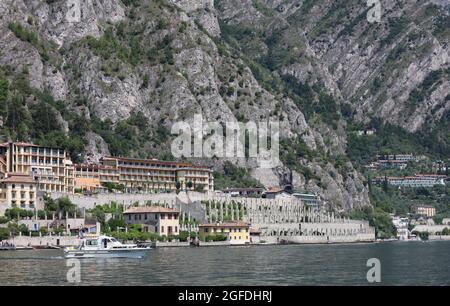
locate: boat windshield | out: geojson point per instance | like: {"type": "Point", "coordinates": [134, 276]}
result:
{"type": "Point", "coordinates": [114, 240]}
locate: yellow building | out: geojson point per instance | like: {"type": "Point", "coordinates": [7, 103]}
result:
{"type": "Point", "coordinates": [425, 210]}
{"type": "Point", "coordinates": [18, 190]}
{"type": "Point", "coordinates": [237, 232]}
{"type": "Point", "coordinates": [160, 220]}
{"type": "Point", "coordinates": [51, 167]}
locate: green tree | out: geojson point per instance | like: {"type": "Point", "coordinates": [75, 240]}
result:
{"type": "Point", "coordinates": [4, 88]}
{"type": "Point", "coordinates": [23, 229]}
{"type": "Point", "coordinates": [114, 224]}
{"type": "Point", "coordinates": [189, 184]}
{"type": "Point", "coordinates": [385, 184]}
{"type": "Point", "coordinates": [43, 230]}
{"type": "Point", "coordinates": [4, 233]}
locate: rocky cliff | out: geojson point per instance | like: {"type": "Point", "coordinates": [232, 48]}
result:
{"type": "Point", "coordinates": [111, 76]}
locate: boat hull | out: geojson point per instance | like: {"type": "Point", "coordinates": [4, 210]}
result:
{"type": "Point", "coordinates": [124, 253]}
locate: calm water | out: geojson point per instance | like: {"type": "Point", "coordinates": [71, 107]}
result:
{"type": "Point", "coordinates": [402, 263]}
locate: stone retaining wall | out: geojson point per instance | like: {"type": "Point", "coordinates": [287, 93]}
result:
{"type": "Point", "coordinates": [437, 238]}
{"type": "Point", "coordinates": [160, 244]}
{"type": "Point", "coordinates": [45, 241]}
{"type": "Point", "coordinates": [318, 239]}
{"type": "Point", "coordinates": [214, 243]}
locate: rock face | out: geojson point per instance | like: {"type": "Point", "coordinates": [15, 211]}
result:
{"type": "Point", "coordinates": [106, 60]}
{"type": "Point", "coordinates": [376, 66]}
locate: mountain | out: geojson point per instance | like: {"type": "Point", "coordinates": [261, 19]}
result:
{"type": "Point", "coordinates": [102, 77]}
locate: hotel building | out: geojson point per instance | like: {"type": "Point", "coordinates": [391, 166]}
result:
{"type": "Point", "coordinates": [89, 177]}
{"type": "Point", "coordinates": [51, 168]}
{"type": "Point", "coordinates": [146, 175]}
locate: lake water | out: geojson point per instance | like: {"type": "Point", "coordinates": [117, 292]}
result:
{"type": "Point", "coordinates": [402, 263]}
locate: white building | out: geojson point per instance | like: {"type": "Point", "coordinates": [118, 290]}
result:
{"type": "Point", "coordinates": [401, 224]}
{"type": "Point", "coordinates": [418, 180]}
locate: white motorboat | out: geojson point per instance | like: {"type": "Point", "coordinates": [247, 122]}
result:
{"type": "Point", "coordinates": [105, 247]}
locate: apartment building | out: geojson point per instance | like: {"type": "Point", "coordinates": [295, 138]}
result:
{"type": "Point", "coordinates": [51, 168]}
{"type": "Point", "coordinates": [397, 157]}
{"type": "Point", "coordinates": [18, 190]}
{"type": "Point", "coordinates": [424, 210]}
{"type": "Point", "coordinates": [311, 200]}
{"type": "Point", "coordinates": [418, 180]}
{"type": "Point", "coordinates": [155, 219]}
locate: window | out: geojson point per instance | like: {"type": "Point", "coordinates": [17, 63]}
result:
{"type": "Point", "coordinates": [145, 216]}
{"type": "Point", "coordinates": [176, 229]}
{"type": "Point", "coordinates": [162, 229]}
{"type": "Point", "coordinates": [91, 242]}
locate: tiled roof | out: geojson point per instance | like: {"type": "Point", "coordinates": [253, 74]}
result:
{"type": "Point", "coordinates": [18, 178]}
{"type": "Point", "coordinates": [226, 224]}
{"type": "Point", "coordinates": [149, 209]}
{"type": "Point", "coordinates": [274, 190]}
